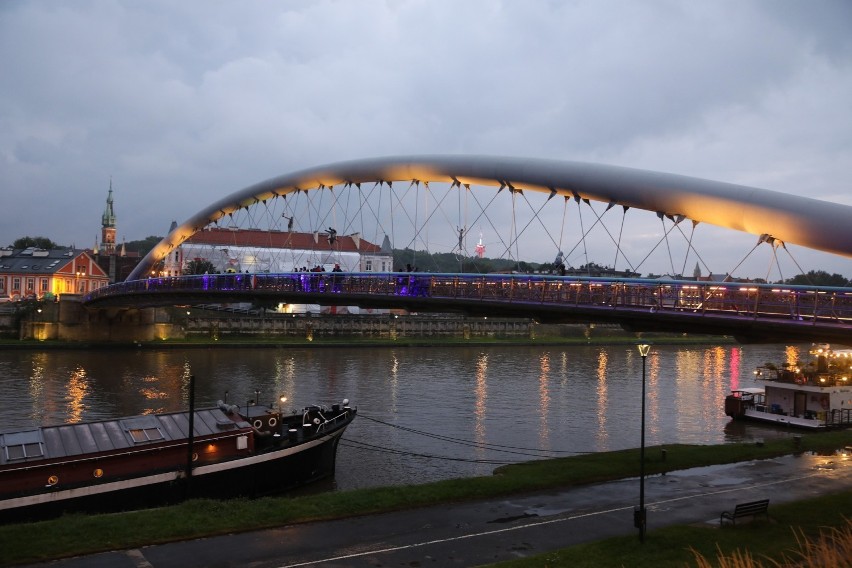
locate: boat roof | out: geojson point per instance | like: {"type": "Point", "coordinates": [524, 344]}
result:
{"type": "Point", "coordinates": [750, 390]}
{"type": "Point", "coordinates": [67, 440]}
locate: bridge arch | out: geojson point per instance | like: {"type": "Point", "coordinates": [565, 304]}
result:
{"type": "Point", "coordinates": [804, 221]}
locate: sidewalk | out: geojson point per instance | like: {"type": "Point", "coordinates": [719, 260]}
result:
{"type": "Point", "coordinates": [483, 532]}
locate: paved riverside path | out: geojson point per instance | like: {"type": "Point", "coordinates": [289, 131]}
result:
{"type": "Point", "coordinates": [483, 532]}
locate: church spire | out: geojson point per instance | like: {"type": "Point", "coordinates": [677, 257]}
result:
{"type": "Point", "coordinates": [108, 225]}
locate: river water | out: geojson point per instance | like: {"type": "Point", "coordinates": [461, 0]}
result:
{"type": "Point", "coordinates": [425, 413]}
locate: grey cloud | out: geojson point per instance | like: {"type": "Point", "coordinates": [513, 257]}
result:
{"type": "Point", "coordinates": [185, 102]}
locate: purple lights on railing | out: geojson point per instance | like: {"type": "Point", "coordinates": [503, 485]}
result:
{"type": "Point", "coordinates": [797, 305]}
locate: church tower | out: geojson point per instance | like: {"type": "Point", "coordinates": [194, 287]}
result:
{"type": "Point", "coordinates": [108, 226]}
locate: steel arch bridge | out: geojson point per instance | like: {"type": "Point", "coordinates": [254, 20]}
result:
{"type": "Point", "coordinates": [816, 224]}
{"type": "Point", "coordinates": [777, 218]}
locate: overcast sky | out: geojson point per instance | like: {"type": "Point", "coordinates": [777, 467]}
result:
{"type": "Point", "coordinates": [181, 103]}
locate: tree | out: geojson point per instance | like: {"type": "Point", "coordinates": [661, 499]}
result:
{"type": "Point", "coordinates": [144, 246]}
{"type": "Point", "coordinates": [264, 305]}
{"type": "Point", "coordinates": [818, 278]}
{"type": "Point", "coordinates": [199, 266]}
{"type": "Point", "coordinates": [451, 263]}
{"type": "Point", "coordinates": [37, 242]}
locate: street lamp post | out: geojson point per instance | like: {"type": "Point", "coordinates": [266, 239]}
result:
{"type": "Point", "coordinates": [640, 516]}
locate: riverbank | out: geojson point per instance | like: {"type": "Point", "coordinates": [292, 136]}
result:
{"type": "Point", "coordinates": [331, 342]}
{"type": "Point", "coordinates": [81, 534]}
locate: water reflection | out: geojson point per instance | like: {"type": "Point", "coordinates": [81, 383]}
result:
{"type": "Point", "coordinates": [150, 390]}
{"type": "Point", "coordinates": [285, 377]}
{"type": "Point", "coordinates": [36, 388]}
{"type": "Point", "coordinates": [481, 396]}
{"type": "Point", "coordinates": [652, 396]}
{"type": "Point", "coordinates": [565, 399]}
{"type": "Point", "coordinates": [602, 392]}
{"type": "Point", "coordinates": [78, 388]}
{"type": "Point", "coordinates": [544, 401]}
{"type": "Point", "coordinates": [481, 402]}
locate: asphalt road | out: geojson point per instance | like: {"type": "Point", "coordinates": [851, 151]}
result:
{"type": "Point", "coordinates": [483, 532]}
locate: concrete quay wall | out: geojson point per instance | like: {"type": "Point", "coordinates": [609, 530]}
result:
{"type": "Point", "coordinates": [69, 320]}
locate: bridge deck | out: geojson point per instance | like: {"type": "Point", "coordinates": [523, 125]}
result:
{"type": "Point", "coordinates": [752, 312]}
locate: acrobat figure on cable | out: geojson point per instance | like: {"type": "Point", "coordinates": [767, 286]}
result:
{"type": "Point", "coordinates": [461, 239]}
{"type": "Point", "coordinates": [289, 223]}
{"type": "Point", "coordinates": [332, 236]}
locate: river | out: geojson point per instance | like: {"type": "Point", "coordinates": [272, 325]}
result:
{"type": "Point", "coordinates": [426, 413]}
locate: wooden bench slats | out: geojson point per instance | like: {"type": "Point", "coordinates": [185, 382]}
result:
{"type": "Point", "coordinates": [750, 509]}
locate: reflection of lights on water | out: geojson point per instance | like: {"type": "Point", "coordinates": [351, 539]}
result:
{"type": "Point", "coordinates": [652, 393]}
{"type": "Point", "coordinates": [715, 377]}
{"type": "Point", "coordinates": [736, 354]}
{"type": "Point", "coordinates": [544, 400]}
{"type": "Point", "coordinates": [394, 376]}
{"type": "Point", "coordinates": [78, 388]}
{"type": "Point", "coordinates": [603, 399]}
{"type": "Point", "coordinates": [153, 394]}
{"type": "Point", "coordinates": [36, 387]}
{"type": "Point", "coordinates": [481, 396]}
{"type": "Point", "coordinates": [186, 373]}
{"type": "Point", "coordinates": [285, 377]}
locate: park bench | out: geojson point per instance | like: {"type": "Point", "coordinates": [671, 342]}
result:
{"type": "Point", "coordinates": [750, 509]}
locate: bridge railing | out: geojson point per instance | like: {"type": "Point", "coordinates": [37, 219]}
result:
{"type": "Point", "coordinates": [800, 303]}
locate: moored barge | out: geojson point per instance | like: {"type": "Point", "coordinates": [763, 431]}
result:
{"type": "Point", "coordinates": [149, 460]}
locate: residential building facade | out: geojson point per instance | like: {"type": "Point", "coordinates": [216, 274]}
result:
{"type": "Point", "coordinates": [44, 274]}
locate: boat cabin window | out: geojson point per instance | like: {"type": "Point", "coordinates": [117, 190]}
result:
{"type": "Point", "coordinates": [23, 445]}
{"type": "Point", "coordinates": [143, 429]}
{"type": "Point", "coordinates": [145, 434]}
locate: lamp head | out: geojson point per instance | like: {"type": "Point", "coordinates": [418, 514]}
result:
{"type": "Point", "coordinates": [643, 349]}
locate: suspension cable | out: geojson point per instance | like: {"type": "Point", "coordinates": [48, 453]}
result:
{"type": "Point", "coordinates": [620, 233]}
{"type": "Point", "coordinates": [668, 246]}
{"type": "Point", "coordinates": [599, 220]}
{"type": "Point", "coordinates": [801, 271]}
{"type": "Point", "coordinates": [583, 231]}
{"type": "Point", "coordinates": [562, 227]}
{"type": "Point", "coordinates": [773, 259]}
{"type": "Point", "coordinates": [688, 248]}
{"type": "Point", "coordinates": [694, 250]}
{"type": "Point", "coordinates": [745, 257]}
{"type": "Point", "coordinates": [659, 242]}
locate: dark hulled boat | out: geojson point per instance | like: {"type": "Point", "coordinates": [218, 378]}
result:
{"type": "Point", "coordinates": [143, 461]}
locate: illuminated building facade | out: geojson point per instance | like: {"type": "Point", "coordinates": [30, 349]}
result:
{"type": "Point", "coordinates": [34, 273]}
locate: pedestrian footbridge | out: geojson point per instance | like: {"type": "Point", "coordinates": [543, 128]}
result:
{"type": "Point", "coordinates": [750, 312]}
{"type": "Point", "coordinates": [521, 209]}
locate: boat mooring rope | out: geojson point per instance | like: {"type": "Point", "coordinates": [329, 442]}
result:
{"type": "Point", "coordinates": [528, 452]}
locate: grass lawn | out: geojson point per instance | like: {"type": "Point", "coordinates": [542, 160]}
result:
{"type": "Point", "coordinates": [676, 546]}
{"type": "Point", "coordinates": [82, 534]}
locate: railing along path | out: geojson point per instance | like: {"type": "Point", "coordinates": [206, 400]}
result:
{"type": "Point", "coordinates": [732, 308]}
